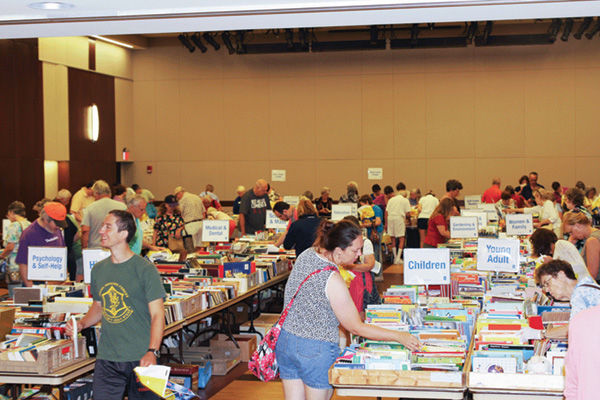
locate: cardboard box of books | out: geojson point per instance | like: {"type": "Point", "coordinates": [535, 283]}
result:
{"type": "Point", "coordinates": [40, 355]}
{"type": "Point", "coordinates": [247, 344]}
{"type": "Point", "coordinates": [222, 359]}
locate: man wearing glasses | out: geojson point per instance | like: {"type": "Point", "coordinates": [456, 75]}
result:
{"type": "Point", "coordinates": [136, 205]}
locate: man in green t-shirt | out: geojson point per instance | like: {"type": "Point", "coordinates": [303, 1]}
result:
{"type": "Point", "coordinates": [128, 299]}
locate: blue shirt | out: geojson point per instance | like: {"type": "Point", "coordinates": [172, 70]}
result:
{"type": "Point", "coordinates": [584, 297]}
{"type": "Point", "coordinates": [136, 242]}
{"type": "Point", "coordinates": [378, 213]}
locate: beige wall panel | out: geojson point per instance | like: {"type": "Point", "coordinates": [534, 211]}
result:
{"type": "Point", "coordinates": [499, 114]}
{"type": "Point", "coordinates": [413, 172]}
{"type": "Point", "coordinates": [586, 170]}
{"type": "Point", "coordinates": [199, 65]}
{"type": "Point", "coordinates": [498, 58]}
{"type": "Point", "coordinates": [585, 53]}
{"type": "Point", "coordinates": [388, 174]}
{"type": "Point", "coordinates": [561, 169]}
{"type": "Point", "coordinates": [196, 174]}
{"type": "Point", "coordinates": [509, 170]}
{"type": "Point", "coordinates": [450, 115]}
{"type": "Point", "coordinates": [377, 62]}
{"type": "Point", "coordinates": [549, 112]}
{"type": "Point", "coordinates": [123, 117]}
{"type": "Point", "coordinates": [113, 60]}
{"type": "Point", "coordinates": [244, 67]}
{"type": "Point", "coordinates": [246, 118]}
{"type": "Point", "coordinates": [338, 63]}
{"type": "Point", "coordinates": [143, 68]}
{"type": "Point", "coordinates": [335, 174]}
{"type": "Point", "coordinates": [559, 55]}
{"type": "Point", "coordinates": [163, 179]}
{"type": "Point", "coordinates": [407, 61]}
{"type": "Point", "coordinates": [410, 110]}
{"type": "Point", "coordinates": [56, 112]}
{"type": "Point", "coordinates": [291, 119]}
{"type": "Point", "coordinates": [338, 112]}
{"type": "Point", "coordinates": [202, 120]}
{"type": "Point", "coordinates": [291, 65]}
{"type": "Point", "coordinates": [453, 60]}
{"type": "Point", "coordinates": [300, 176]}
{"type": "Point", "coordinates": [378, 116]}
{"type": "Point", "coordinates": [69, 51]}
{"type": "Point", "coordinates": [167, 59]}
{"type": "Point", "coordinates": [587, 117]}
{"type": "Point", "coordinates": [441, 170]}
{"type": "Point", "coordinates": [144, 120]}
{"type": "Point", "coordinates": [168, 138]}
{"type": "Point", "coordinates": [245, 173]}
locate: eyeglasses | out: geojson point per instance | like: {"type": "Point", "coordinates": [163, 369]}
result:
{"type": "Point", "coordinates": [546, 283]}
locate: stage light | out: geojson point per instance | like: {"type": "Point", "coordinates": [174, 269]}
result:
{"type": "Point", "coordinates": [198, 42]}
{"type": "Point", "coordinates": [208, 38]}
{"type": "Point", "coordinates": [567, 30]}
{"type": "Point", "coordinates": [226, 37]}
{"type": "Point", "coordinates": [587, 21]}
{"type": "Point", "coordinates": [186, 42]}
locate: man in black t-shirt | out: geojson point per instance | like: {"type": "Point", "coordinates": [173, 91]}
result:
{"type": "Point", "coordinates": [253, 208]}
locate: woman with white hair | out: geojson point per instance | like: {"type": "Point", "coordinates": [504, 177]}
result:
{"type": "Point", "coordinates": [351, 195]}
{"type": "Point", "coordinates": [548, 216]}
{"type": "Point", "coordinates": [324, 203]}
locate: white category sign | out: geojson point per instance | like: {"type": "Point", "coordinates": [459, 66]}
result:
{"type": "Point", "coordinates": [375, 174]}
{"type": "Point", "coordinates": [339, 211]}
{"type": "Point", "coordinates": [473, 201]}
{"type": "Point", "coordinates": [426, 266]}
{"type": "Point", "coordinates": [482, 216]}
{"type": "Point", "coordinates": [47, 263]}
{"type": "Point", "coordinates": [5, 224]}
{"type": "Point", "coordinates": [501, 255]}
{"type": "Point", "coordinates": [292, 200]}
{"type": "Point", "coordinates": [519, 224]}
{"type": "Point", "coordinates": [464, 227]}
{"type": "Point", "coordinates": [490, 209]}
{"type": "Point", "coordinates": [215, 230]}
{"type": "Point", "coordinates": [273, 222]}
{"type": "Point", "coordinates": [90, 258]}
{"type": "Point", "coordinates": [278, 175]}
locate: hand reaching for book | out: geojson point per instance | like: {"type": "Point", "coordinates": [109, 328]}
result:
{"type": "Point", "coordinates": [409, 341]}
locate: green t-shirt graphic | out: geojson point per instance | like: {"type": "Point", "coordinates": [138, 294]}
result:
{"type": "Point", "coordinates": [124, 291]}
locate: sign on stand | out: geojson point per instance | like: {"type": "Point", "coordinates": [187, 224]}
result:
{"type": "Point", "coordinates": [500, 255]}
{"type": "Point", "coordinates": [273, 222]}
{"type": "Point", "coordinates": [339, 211]}
{"type": "Point", "coordinates": [214, 230]}
{"type": "Point", "coordinates": [90, 258]}
{"type": "Point", "coordinates": [464, 227]}
{"type": "Point", "coordinates": [47, 263]}
{"type": "Point", "coordinates": [482, 216]}
{"type": "Point", "coordinates": [292, 200]}
{"type": "Point", "coordinates": [278, 175]}
{"type": "Point", "coordinates": [375, 174]}
{"type": "Point", "coordinates": [473, 201]}
{"type": "Point", "coordinates": [519, 224]}
{"type": "Point", "coordinates": [426, 266]}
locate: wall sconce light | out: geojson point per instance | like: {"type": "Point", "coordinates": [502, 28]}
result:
{"type": "Point", "coordinates": [92, 123]}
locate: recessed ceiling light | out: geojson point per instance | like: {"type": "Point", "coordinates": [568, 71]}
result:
{"type": "Point", "coordinates": [51, 5]}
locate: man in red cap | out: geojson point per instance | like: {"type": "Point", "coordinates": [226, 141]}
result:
{"type": "Point", "coordinates": [43, 232]}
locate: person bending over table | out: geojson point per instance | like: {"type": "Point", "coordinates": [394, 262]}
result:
{"type": "Point", "coordinates": [557, 279]}
{"type": "Point", "coordinates": [545, 246]}
{"type": "Point", "coordinates": [308, 343]}
{"type": "Point", "coordinates": [438, 225]}
{"type": "Point", "coordinates": [579, 227]}
{"type": "Point", "coordinates": [128, 299]}
{"type": "Point", "coordinates": [545, 207]}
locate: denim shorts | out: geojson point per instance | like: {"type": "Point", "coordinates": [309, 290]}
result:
{"type": "Point", "coordinates": [305, 359]}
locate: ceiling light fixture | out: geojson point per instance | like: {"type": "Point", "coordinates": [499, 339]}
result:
{"type": "Point", "coordinates": [51, 5]}
{"type": "Point", "coordinates": [208, 38]}
{"type": "Point", "coordinates": [567, 30]}
{"type": "Point", "coordinates": [226, 37]}
{"type": "Point", "coordinates": [105, 39]}
{"type": "Point", "coordinates": [186, 42]}
{"type": "Point", "coordinates": [198, 42]}
{"type": "Point", "coordinates": [587, 21]}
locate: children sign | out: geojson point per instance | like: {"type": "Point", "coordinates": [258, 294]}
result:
{"type": "Point", "coordinates": [426, 266]}
{"type": "Point", "coordinates": [47, 263]}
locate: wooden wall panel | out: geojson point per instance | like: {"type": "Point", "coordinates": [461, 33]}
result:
{"type": "Point", "coordinates": [88, 160]}
{"type": "Point", "coordinates": [21, 124]}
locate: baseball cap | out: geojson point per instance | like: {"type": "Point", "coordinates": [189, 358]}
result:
{"type": "Point", "coordinates": [57, 212]}
{"type": "Point", "coordinates": [178, 189]}
{"type": "Point", "coordinates": [172, 200]}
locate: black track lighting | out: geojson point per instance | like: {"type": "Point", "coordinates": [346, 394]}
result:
{"type": "Point", "coordinates": [594, 30]}
{"type": "Point", "coordinates": [226, 38]}
{"type": "Point", "coordinates": [239, 37]}
{"type": "Point", "coordinates": [587, 21]}
{"type": "Point", "coordinates": [554, 28]}
{"type": "Point", "coordinates": [208, 38]}
{"type": "Point", "coordinates": [374, 34]}
{"type": "Point", "coordinates": [186, 42]}
{"type": "Point", "coordinates": [289, 38]}
{"type": "Point", "coordinates": [198, 42]}
{"type": "Point", "coordinates": [567, 30]}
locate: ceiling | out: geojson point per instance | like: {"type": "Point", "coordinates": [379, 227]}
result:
{"type": "Point", "coordinates": [111, 17]}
